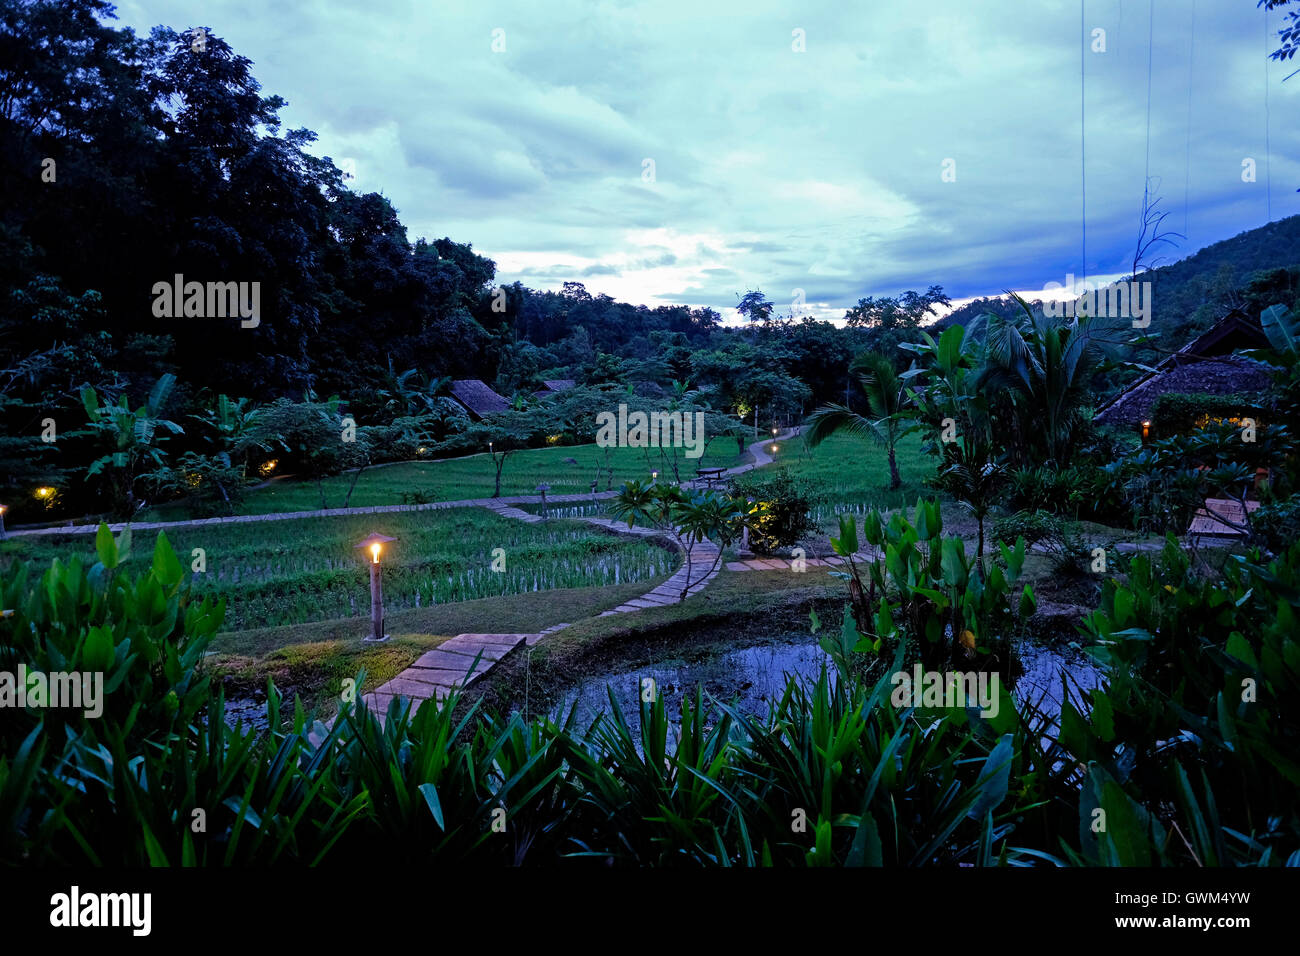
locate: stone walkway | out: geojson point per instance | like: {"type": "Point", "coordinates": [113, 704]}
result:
{"type": "Point", "coordinates": [458, 662]}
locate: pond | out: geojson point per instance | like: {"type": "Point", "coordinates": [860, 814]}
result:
{"type": "Point", "coordinates": [755, 678]}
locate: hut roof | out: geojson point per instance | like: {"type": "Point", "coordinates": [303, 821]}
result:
{"type": "Point", "coordinates": [559, 384]}
{"type": "Point", "coordinates": [477, 397]}
{"type": "Point", "coordinates": [1228, 375]}
{"type": "Point", "coordinates": [1204, 366]}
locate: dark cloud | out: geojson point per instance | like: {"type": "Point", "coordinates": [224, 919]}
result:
{"type": "Point", "coordinates": [818, 170]}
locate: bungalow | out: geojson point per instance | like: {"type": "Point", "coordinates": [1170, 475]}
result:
{"type": "Point", "coordinates": [477, 398]}
{"type": "Point", "coordinates": [555, 386]}
{"type": "Point", "coordinates": [1205, 366]}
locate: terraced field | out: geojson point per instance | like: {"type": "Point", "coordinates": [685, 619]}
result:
{"type": "Point", "coordinates": [302, 570]}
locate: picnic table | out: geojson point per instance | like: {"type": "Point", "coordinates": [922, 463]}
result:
{"type": "Point", "coordinates": [711, 476]}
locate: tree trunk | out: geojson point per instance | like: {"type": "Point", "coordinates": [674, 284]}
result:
{"type": "Point", "coordinates": [355, 476]}
{"type": "Point", "coordinates": [895, 482]}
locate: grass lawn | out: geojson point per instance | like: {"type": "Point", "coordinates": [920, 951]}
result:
{"type": "Point", "coordinates": [848, 473]}
{"type": "Point", "coordinates": [471, 477]}
{"type": "Point", "coordinates": [300, 570]}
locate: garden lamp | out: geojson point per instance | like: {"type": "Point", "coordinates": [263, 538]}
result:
{"type": "Point", "coordinates": [1146, 432]}
{"type": "Point", "coordinates": [3, 509]}
{"type": "Point", "coordinates": [374, 544]}
{"type": "Point", "coordinates": [544, 488]}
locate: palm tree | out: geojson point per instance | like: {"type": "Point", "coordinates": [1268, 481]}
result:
{"type": "Point", "coordinates": [1046, 365]}
{"type": "Point", "coordinates": [886, 402]}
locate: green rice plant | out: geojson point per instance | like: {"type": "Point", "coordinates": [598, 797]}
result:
{"type": "Point", "coordinates": [296, 571]}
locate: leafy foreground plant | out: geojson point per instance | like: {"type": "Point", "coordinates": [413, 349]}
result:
{"type": "Point", "coordinates": [834, 774]}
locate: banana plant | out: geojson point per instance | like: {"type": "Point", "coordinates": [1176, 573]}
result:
{"type": "Point", "coordinates": [134, 438]}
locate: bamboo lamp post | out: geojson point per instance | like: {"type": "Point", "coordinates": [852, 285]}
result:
{"type": "Point", "coordinates": [374, 544]}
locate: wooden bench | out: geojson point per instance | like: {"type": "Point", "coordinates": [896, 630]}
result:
{"type": "Point", "coordinates": [711, 476]}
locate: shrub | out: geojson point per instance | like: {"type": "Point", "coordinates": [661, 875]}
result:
{"type": "Point", "coordinates": [781, 510]}
{"type": "Point", "coordinates": [1277, 524]}
{"type": "Point", "coordinates": [1190, 734]}
{"type": "Point", "coordinates": [1175, 413]}
{"type": "Point", "coordinates": [1033, 526]}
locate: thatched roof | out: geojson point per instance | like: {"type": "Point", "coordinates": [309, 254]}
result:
{"type": "Point", "coordinates": [1204, 366]}
{"type": "Point", "coordinates": [1230, 375]}
{"type": "Point", "coordinates": [477, 398]}
{"type": "Point", "coordinates": [559, 384]}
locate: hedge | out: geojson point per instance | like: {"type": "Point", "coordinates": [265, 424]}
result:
{"type": "Point", "coordinates": [1176, 413]}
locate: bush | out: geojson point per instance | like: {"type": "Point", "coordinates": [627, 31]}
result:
{"type": "Point", "coordinates": [1277, 524]}
{"type": "Point", "coordinates": [1175, 413]}
{"type": "Point", "coordinates": [1033, 526]}
{"type": "Point", "coordinates": [782, 504]}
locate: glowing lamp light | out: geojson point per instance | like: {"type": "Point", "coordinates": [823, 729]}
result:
{"type": "Point", "coordinates": [1146, 430]}
{"type": "Point", "coordinates": [374, 544]}
{"type": "Point", "coordinates": [45, 492]}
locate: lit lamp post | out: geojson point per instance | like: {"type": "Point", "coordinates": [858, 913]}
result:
{"type": "Point", "coordinates": [374, 545]}
{"type": "Point", "coordinates": [3, 509]}
{"type": "Point", "coordinates": [1146, 432]}
{"type": "Point", "coordinates": [654, 476]}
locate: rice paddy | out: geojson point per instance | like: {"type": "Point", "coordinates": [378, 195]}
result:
{"type": "Point", "coordinates": [303, 570]}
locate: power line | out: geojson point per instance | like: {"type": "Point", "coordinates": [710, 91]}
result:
{"type": "Point", "coordinates": [1268, 162]}
{"type": "Point", "coordinates": [1146, 171]}
{"type": "Point", "coordinates": [1083, 143]}
{"type": "Point", "coordinates": [1187, 168]}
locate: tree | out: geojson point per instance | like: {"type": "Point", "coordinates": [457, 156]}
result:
{"type": "Point", "coordinates": [688, 517]}
{"type": "Point", "coordinates": [134, 436]}
{"type": "Point", "coordinates": [886, 400]}
{"type": "Point", "coordinates": [501, 436]}
{"type": "Point", "coordinates": [310, 434]}
{"type": "Point", "coordinates": [233, 423]}
{"type": "Point", "coordinates": [902, 311]}
{"type": "Point", "coordinates": [755, 306]}
{"type": "Point", "coordinates": [1289, 33]}
{"type": "Point", "coordinates": [1043, 367]}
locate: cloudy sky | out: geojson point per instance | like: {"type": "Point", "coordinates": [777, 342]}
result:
{"type": "Point", "coordinates": [685, 152]}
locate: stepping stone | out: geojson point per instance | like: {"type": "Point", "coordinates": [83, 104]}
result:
{"type": "Point", "coordinates": [471, 649]}
{"type": "Point", "coordinates": [406, 688]}
{"type": "Point", "coordinates": [437, 659]}
{"type": "Point", "coordinates": [642, 602]}
{"type": "Point", "coordinates": [509, 640]}
{"type": "Point", "coordinates": [437, 677]}
{"type": "Point", "coordinates": [737, 566]}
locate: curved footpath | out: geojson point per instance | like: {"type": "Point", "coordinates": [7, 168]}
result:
{"type": "Point", "coordinates": [760, 456]}
{"type": "Point", "coordinates": [458, 662]}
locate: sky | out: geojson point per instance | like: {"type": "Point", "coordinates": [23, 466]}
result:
{"type": "Point", "coordinates": [685, 152]}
